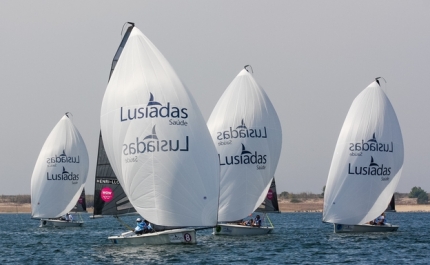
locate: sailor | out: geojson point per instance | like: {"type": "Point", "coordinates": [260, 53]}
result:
{"type": "Point", "coordinates": [140, 225]}
{"type": "Point", "coordinates": [250, 222]}
{"type": "Point", "coordinates": [147, 227]}
{"type": "Point", "coordinates": [380, 220]}
{"type": "Point", "coordinates": [257, 221]}
{"type": "Point", "coordinates": [69, 217]}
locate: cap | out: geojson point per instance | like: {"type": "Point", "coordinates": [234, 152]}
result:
{"type": "Point", "coordinates": [138, 220]}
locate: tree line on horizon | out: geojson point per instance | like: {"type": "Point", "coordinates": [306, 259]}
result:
{"type": "Point", "coordinates": [22, 199]}
{"type": "Point", "coordinates": [416, 192]}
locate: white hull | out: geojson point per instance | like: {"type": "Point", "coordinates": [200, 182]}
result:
{"type": "Point", "coordinates": [175, 236]}
{"type": "Point", "coordinates": [59, 223]}
{"type": "Point", "coordinates": [240, 230]}
{"type": "Point", "coordinates": [340, 228]}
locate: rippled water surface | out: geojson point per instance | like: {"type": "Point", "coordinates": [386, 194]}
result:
{"type": "Point", "coordinates": [299, 238]}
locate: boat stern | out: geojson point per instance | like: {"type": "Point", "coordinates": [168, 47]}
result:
{"type": "Point", "coordinates": [240, 230]}
{"type": "Point", "coordinates": [365, 228]}
{"type": "Point", "coordinates": [175, 236]}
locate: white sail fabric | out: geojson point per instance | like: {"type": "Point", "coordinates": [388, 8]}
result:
{"type": "Point", "coordinates": [367, 162]}
{"type": "Point", "coordinates": [157, 141]}
{"type": "Point", "coordinates": [247, 134]}
{"type": "Point", "coordinates": [60, 172]}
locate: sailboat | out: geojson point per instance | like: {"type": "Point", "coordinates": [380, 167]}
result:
{"type": "Point", "coordinates": [81, 204]}
{"type": "Point", "coordinates": [270, 203]}
{"type": "Point", "coordinates": [366, 166]}
{"type": "Point", "coordinates": [158, 145]}
{"type": "Point", "coordinates": [109, 196]}
{"type": "Point", "coordinates": [391, 206]}
{"type": "Point", "coordinates": [59, 175]}
{"type": "Point", "coordinates": [246, 131]}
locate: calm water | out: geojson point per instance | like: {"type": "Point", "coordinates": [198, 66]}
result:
{"type": "Point", "coordinates": [299, 238]}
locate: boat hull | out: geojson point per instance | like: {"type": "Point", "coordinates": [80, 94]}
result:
{"type": "Point", "coordinates": [96, 216]}
{"type": "Point", "coordinates": [59, 223]}
{"type": "Point", "coordinates": [240, 230]}
{"type": "Point", "coordinates": [341, 228]}
{"type": "Point", "coordinates": [175, 236]}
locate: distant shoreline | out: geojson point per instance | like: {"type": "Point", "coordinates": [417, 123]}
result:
{"type": "Point", "coordinates": [315, 205]}
{"type": "Point", "coordinates": [21, 208]}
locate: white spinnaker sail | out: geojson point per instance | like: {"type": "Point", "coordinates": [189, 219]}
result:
{"type": "Point", "coordinates": [157, 141]}
{"type": "Point", "coordinates": [247, 134]}
{"type": "Point", "coordinates": [60, 171]}
{"type": "Point", "coordinates": [367, 162]}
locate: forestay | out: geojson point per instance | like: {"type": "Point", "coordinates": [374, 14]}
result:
{"type": "Point", "coordinates": [247, 134]}
{"type": "Point", "coordinates": [367, 161]}
{"type": "Point", "coordinates": [60, 172]}
{"type": "Point", "coordinates": [157, 141]}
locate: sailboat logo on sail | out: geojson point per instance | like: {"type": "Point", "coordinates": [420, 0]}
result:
{"type": "Point", "coordinates": [152, 102]}
{"type": "Point", "coordinates": [246, 157]}
{"type": "Point", "coordinates": [373, 170]}
{"type": "Point", "coordinates": [372, 162]}
{"type": "Point", "coordinates": [241, 132]}
{"type": "Point", "coordinates": [153, 135]}
{"type": "Point", "coordinates": [155, 109]}
{"type": "Point", "coordinates": [151, 143]}
{"type": "Point", "coordinates": [242, 125]}
{"type": "Point", "coordinates": [106, 194]}
{"type": "Point", "coordinates": [269, 194]}
{"type": "Point", "coordinates": [64, 175]}
{"type": "Point", "coordinates": [63, 158]}
{"type": "Point", "coordinates": [372, 144]}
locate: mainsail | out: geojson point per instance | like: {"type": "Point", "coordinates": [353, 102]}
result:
{"type": "Point", "coordinates": [157, 141]}
{"type": "Point", "coordinates": [247, 133]}
{"type": "Point", "coordinates": [81, 204]}
{"type": "Point", "coordinates": [270, 203]}
{"type": "Point", "coordinates": [60, 172]}
{"type": "Point", "coordinates": [367, 162]}
{"type": "Point", "coordinates": [392, 206]}
{"type": "Point", "coordinates": [109, 196]}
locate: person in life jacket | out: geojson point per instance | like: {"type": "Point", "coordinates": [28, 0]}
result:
{"type": "Point", "coordinates": [257, 221]}
{"type": "Point", "coordinates": [69, 217]}
{"type": "Point", "coordinates": [147, 228]}
{"type": "Point", "coordinates": [380, 220]}
{"type": "Point", "coordinates": [140, 225]}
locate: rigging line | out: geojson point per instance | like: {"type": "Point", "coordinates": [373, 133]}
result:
{"type": "Point", "coordinates": [267, 216]}
{"type": "Point", "coordinates": [123, 223]}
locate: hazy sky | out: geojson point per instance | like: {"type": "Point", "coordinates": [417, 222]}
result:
{"type": "Point", "coordinates": [311, 57]}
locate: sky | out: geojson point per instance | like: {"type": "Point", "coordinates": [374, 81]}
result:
{"type": "Point", "coordinates": [311, 57]}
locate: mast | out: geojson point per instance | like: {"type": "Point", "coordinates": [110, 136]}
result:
{"type": "Point", "coordinates": [109, 197]}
